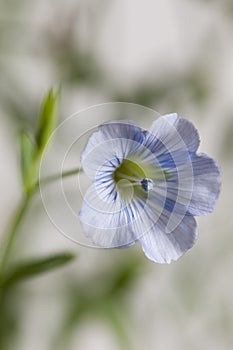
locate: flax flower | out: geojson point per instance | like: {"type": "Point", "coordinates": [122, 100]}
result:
{"type": "Point", "coordinates": [147, 186]}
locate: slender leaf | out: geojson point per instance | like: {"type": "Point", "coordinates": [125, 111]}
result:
{"type": "Point", "coordinates": [116, 318]}
{"type": "Point", "coordinates": [47, 118]}
{"type": "Point", "coordinates": [28, 151]}
{"type": "Point", "coordinates": [35, 267]}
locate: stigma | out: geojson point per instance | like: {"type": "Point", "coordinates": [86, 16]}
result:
{"type": "Point", "coordinates": [147, 184]}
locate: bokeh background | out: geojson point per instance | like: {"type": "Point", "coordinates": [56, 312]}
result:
{"type": "Point", "coordinates": [173, 56]}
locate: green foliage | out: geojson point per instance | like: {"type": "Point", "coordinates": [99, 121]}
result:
{"type": "Point", "coordinates": [31, 151]}
{"type": "Point", "coordinates": [47, 118]}
{"type": "Point", "coordinates": [10, 294]}
{"type": "Point", "coordinates": [116, 318]}
{"type": "Point", "coordinates": [35, 267]}
{"type": "Point", "coordinates": [104, 297]}
{"type": "Point", "coordinates": [9, 318]}
{"type": "Point", "coordinates": [28, 152]}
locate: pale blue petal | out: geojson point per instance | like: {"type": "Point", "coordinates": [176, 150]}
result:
{"type": "Point", "coordinates": [186, 129]}
{"type": "Point", "coordinates": [173, 194]}
{"type": "Point", "coordinates": [206, 185]}
{"type": "Point", "coordinates": [171, 132]}
{"type": "Point", "coordinates": [172, 141]}
{"type": "Point", "coordinates": [164, 248]}
{"type": "Point", "coordinates": [109, 145]}
{"type": "Point", "coordinates": [112, 222]}
{"type": "Point", "coordinates": [107, 222]}
{"type": "Point", "coordinates": [163, 207]}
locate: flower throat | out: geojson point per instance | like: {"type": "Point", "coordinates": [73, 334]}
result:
{"type": "Point", "coordinates": [134, 174]}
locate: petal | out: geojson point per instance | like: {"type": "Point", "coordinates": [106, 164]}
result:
{"type": "Point", "coordinates": [206, 185]}
{"type": "Point", "coordinates": [164, 248]}
{"type": "Point", "coordinates": [112, 222]}
{"type": "Point", "coordinates": [172, 140]}
{"type": "Point", "coordinates": [186, 129]}
{"type": "Point", "coordinates": [112, 142]}
{"type": "Point", "coordinates": [175, 133]}
{"type": "Point", "coordinates": [106, 222]}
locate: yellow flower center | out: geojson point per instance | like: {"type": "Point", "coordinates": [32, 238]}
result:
{"type": "Point", "coordinates": [132, 177]}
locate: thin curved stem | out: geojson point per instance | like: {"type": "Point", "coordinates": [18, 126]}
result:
{"type": "Point", "coordinates": [11, 234]}
{"type": "Point", "coordinates": [20, 213]}
{"type": "Point", "coordinates": [56, 177]}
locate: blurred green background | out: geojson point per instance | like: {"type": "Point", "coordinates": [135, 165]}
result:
{"type": "Point", "coordinates": [173, 56]}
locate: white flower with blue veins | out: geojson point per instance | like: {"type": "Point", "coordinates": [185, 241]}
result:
{"type": "Point", "coordinates": [147, 186]}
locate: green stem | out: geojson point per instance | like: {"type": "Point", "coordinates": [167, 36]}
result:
{"type": "Point", "coordinates": [52, 178]}
{"type": "Point", "coordinates": [60, 176]}
{"type": "Point", "coordinates": [12, 232]}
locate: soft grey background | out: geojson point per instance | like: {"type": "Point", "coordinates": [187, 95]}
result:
{"type": "Point", "coordinates": [173, 56]}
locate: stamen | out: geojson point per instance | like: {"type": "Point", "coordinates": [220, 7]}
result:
{"type": "Point", "coordinates": [134, 171]}
{"type": "Point", "coordinates": [147, 184]}
{"type": "Point", "coordinates": [130, 184]}
{"type": "Point", "coordinates": [127, 177]}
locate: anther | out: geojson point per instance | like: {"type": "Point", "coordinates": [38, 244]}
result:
{"type": "Point", "coordinates": [147, 184]}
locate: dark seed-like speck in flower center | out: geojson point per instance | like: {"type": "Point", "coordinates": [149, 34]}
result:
{"type": "Point", "coordinates": [147, 184]}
